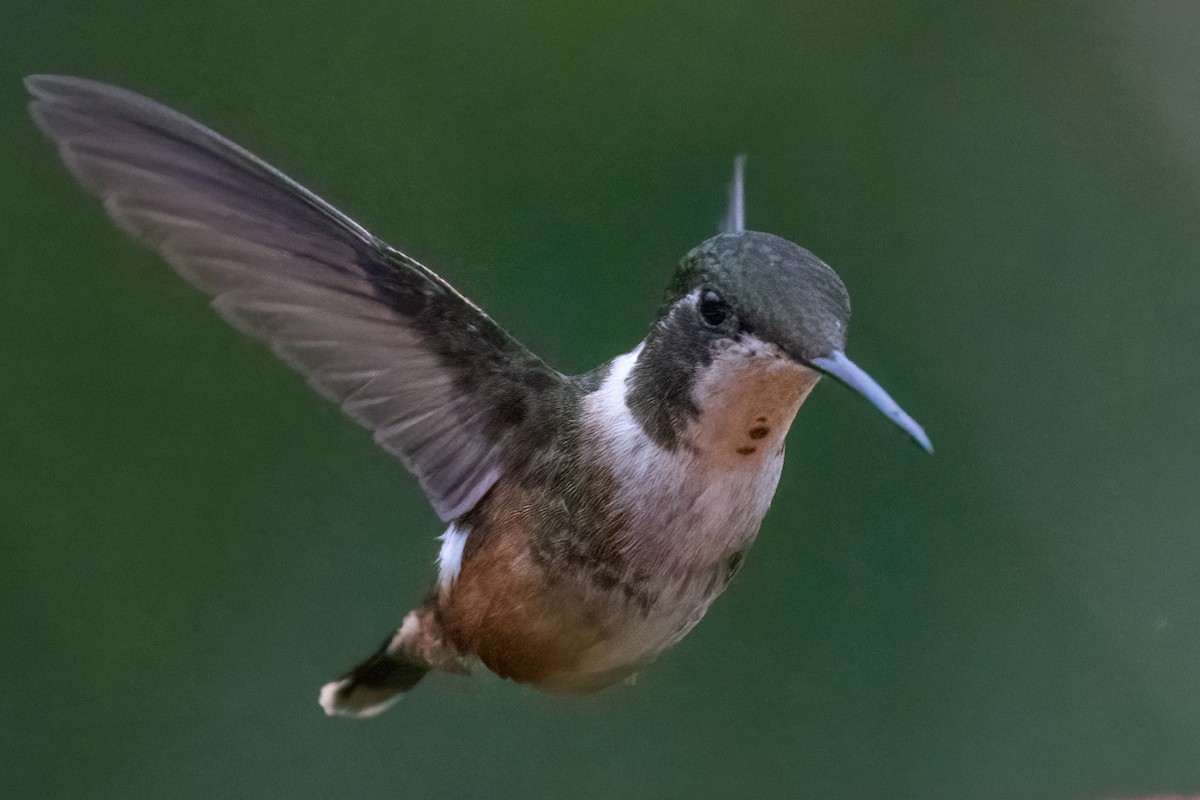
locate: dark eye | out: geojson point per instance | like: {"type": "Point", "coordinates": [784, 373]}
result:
{"type": "Point", "coordinates": [713, 309]}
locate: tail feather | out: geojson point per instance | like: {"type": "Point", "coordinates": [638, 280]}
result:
{"type": "Point", "coordinates": [371, 687]}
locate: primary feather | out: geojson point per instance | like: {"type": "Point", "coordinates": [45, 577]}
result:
{"type": "Point", "coordinates": [374, 330]}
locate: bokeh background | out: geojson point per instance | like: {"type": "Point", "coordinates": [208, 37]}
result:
{"type": "Point", "coordinates": [191, 541]}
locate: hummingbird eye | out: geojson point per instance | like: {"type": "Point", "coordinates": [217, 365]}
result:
{"type": "Point", "coordinates": [713, 308]}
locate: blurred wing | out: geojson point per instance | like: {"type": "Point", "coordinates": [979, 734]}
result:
{"type": "Point", "coordinates": [441, 385]}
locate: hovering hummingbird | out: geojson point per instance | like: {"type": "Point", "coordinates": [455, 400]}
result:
{"type": "Point", "coordinates": [592, 519]}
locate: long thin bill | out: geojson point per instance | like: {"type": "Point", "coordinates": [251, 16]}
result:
{"type": "Point", "coordinates": [838, 366]}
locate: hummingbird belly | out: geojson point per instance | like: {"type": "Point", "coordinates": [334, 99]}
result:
{"type": "Point", "coordinates": [578, 611]}
{"type": "Point", "coordinates": [566, 628]}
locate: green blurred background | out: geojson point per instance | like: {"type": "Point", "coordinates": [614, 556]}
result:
{"type": "Point", "coordinates": [192, 541]}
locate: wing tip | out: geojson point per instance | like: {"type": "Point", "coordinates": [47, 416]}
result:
{"type": "Point", "coordinates": [49, 87]}
{"type": "Point", "coordinates": [37, 84]}
{"type": "Point", "coordinates": [60, 104]}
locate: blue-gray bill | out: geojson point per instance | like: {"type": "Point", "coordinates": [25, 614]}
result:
{"type": "Point", "coordinates": [836, 365]}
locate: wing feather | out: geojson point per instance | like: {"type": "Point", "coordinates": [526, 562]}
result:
{"type": "Point", "coordinates": [402, 352]}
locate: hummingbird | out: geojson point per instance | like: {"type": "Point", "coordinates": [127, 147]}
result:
{"type": "Point", "coordinates": [591, 519]}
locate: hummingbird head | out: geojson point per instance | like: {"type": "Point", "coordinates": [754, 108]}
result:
{"type": "Point", "coordinates": [759, 284]}
{"type": "Point", "coordinates": [750, 287]}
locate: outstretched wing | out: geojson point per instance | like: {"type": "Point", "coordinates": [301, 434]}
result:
{"type": "Point", "coordinates": [440, 384]}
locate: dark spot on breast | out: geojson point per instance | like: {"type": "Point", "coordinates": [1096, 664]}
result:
{"type": "Point", "coordinates": [761, 419]}
{"type": "Point", "coordinates": [745, 451]}
{"type": "Point", "coordinates": [759, 432]}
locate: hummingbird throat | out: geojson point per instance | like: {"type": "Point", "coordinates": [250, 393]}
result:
{"type": "Point", "coordinates": [746, 399]}
{"type": "Point", "coordinates": [731, 406]}
{"type": "Point", "coordinates": [696, 499]}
